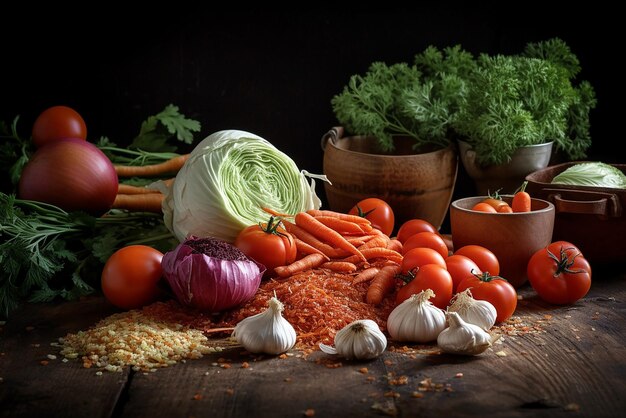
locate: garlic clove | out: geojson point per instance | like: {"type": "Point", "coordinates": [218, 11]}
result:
{"type": "Point", "coordinates": [327, 349]}
{"type": "Point", "coordinates": [462, 337]}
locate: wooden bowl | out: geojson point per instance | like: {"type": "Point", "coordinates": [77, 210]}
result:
{"type": "Point", "coordinates": [416, 185]}
{"type": "Point", "coordinates": [512, 237]}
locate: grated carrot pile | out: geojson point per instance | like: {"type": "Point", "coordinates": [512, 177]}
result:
{"type": "Point", "coordinates": [317, 302]}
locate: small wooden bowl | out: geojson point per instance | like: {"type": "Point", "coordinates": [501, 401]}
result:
{"type": "Point", "coordinates": [512, 237]}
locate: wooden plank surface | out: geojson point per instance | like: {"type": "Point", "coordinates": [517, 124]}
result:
{"type": "Point", "coordinates": [574, 365]}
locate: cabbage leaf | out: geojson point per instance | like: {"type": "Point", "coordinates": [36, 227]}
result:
{"type": "Point", "coordinates": [595, 174]}
{"type": "Point", "coordinates": [229, 178]}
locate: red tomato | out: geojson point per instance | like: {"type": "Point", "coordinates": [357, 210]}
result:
{"type": "Point", "coordinates": [412, 227]}
{"type": "Point", "coordinates": [495, 202]}
{"type": "Point", "coordinates": [131, 275]}
{"type": "Point", "coordinates": [483, 257]}
{"type": "Point", "coordinates": [377, 211]}
{"type": "Point", "coordinates": [494, 289]}
{"type": "Point", "coordinates": [429, 276]}
{"type": "Point", "coordinates": [417, 257]}
{"type": "Point", "coordinates": [460, 268]}
{"type": "Point", "coordinates": [58, 122]}
{"type": "Point", "coordinates": [559, 273]}
{"type": "Point", "coordinates": [428, 240]}
{"type": "Point", "coordinates": [484, 207]}
{"type": "Point", "coordinates": [268, 244]}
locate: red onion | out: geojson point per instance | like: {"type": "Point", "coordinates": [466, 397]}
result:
{"type": "Point", "coordinates": [72, 174]}
{"type": "Point", "coordinates": [210, 274]}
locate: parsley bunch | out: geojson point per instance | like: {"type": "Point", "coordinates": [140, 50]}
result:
{"type": "Point", "coordinates": [420, 101]}
{"type": "Point", "coordinates": [526, 99]}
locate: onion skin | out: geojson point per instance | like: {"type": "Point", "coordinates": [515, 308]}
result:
{"type": "Point", "coordinates": [72, 174]}
{"type": "Point", "coordinates": [209, 283]}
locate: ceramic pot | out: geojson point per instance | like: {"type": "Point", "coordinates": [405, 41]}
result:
{"type": "Point", "coordinates": [512, 237]}
{"type": "Point", "coordinates": [506, 177]}
{"type": "Point", "coordinates": [416, 185]}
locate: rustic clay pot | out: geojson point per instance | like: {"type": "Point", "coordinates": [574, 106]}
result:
{"type": "Point", "coordinates": [506, 177]}
{"type": "Point", "coordinates": [416, 185]}
{"type": "Point", "coordinates": [512, 237]}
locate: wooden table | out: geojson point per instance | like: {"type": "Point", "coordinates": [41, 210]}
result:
{"type": "Point", "coordinates": [571, 363]}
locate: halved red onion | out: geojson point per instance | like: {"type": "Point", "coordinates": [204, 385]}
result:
{"type": "Point", "coordinates": [210, 274]}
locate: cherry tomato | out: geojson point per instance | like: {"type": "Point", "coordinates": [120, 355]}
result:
{"type": "Point", "coordinates": [495, 202]}
{"type": "Point", "coordinates": [429, 276]}
{"type": "Point", "coordinates": [417, 257]}
{"type": "Point", "coordinates": [461, 267]}
{"type": "Point", "coordinates": [484, 207]}
{"type": "Point", "coordinates": [377, 211]}
{"type": "Point", "coordinates": [268, 244]}
{"type": "Point", "coordinates": [559, 273]}
{"type": "Point", "coordinates": [494, 289]}
{"type": "Point", "coordinates": [58, 122]}
{"type": "Point", "coordinates": [412, 227]}
{"type": "Point", "coordinates": [483, 257]}
{"type": "Point", "coordinates": [131, 275]}
{"type": "Point", "coordinates": [428, 240]}
{"type": "Point", "coordinates": [504, 209]}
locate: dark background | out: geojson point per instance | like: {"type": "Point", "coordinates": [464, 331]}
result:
{"type": "Point", "coordinates": [272, 74]}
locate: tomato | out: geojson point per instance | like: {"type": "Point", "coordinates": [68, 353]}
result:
{"type": "Point", "coordinates": [483, 257]}
{"type": "Point", "coordinates": [268, 244]}
{"type": "Point", "coordinates": [559, 273]}
{"type": "Point", "coordinates": [429, 276]}
{"type": "Point", "coordinates": [412, 227]}
{"type": "Point", "coordinates": [417, 257]}
{"type": "Point", "coordinates": [131, 276]}
{"type": "Point", "coordinates": [504, 209]}
{"type": "Point", "coordinates": [461, 267]}
{"type": "Point", "coordinates": [58, 122]}
{"type": "Point", "coordinates": [428, 240]}
{"type": "Point", "coordinates": [377, 211]}
{"type": "Point", "coordinates": [495, 202]}
{"type": "Point", "coordinates": [494, 289]}
{"type": "Point", "coordinates": [484, 207]}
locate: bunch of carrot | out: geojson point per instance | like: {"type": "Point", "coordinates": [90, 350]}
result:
{"type": "Point", "coordinates": [345, 244]}
{"type": "Point", "coordinates": [143, 199]}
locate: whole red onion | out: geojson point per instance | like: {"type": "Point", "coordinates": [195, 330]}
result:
{"type": "Point", "coordinates": [72, 174]}
{"type": "Point", "coordinates": [210, 274]}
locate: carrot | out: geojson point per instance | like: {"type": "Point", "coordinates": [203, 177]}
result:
{"type": "Point", "coordinates": [377, 252]}
{"type": "Point", "coordinates": [307, 262]}
{"type": "Point", "coordinates": [379, 241]}
{"type": "Point", "coordinates": [342, 226]}
{"type": "Point", "coordinates": [305, 248]}
{"type": "Point", "coordinates": [276, 213]}
{"type": "Point", "coordinates": [366, 275]}
{"type": "Point", "coordinates": [382, 284]}
{"type": "Point", "coordinates": [351, 218]}
{"type": "Point", "coordinates": [339, 266]}
{"type": "Point", "coordinates": [321, 231]}
{"type": "Point", "coordinates": [145, 202]}
{"type": "Point", "coordinates": [521, 200]}
{"type": "Point", "coordinates": [129, 189]}
{"type": "Point", "coordinates": [310, 239]}
{"type": "Point", "coordinates": [395, 245]}
{"type": "Point", "coordinates": [172, 165]}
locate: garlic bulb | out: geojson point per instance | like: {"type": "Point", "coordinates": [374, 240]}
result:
{"type": "Point", "coordinates": [361, 339]}
{"type": "Point", "coordinates": [416, 319]}
{"type": "Point", "coordinates": [474, 311]}
{"type": "Point", "coordinates": [462, 337]}
{"type": "Point", "coordinates": [266, 332]}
